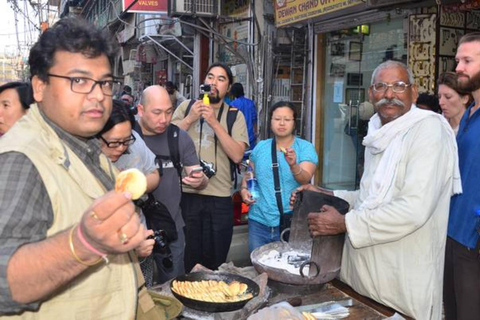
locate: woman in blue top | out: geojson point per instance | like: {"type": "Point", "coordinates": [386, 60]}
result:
{"type": "Point", "coordinates": [297, 161]}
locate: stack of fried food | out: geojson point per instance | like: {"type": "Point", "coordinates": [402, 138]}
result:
{"type": "Point", "coordinates": [308, 316]}
{"type": "Point", "coordinates": [212, 290]}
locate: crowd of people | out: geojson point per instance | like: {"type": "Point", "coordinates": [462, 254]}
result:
{"type": "Point", "coordinates": [72, 247]}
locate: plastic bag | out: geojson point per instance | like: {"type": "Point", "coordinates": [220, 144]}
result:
{"type": "Point", "coordinates": [279, 311]}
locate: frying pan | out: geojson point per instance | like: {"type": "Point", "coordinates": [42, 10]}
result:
{"type": "Point", "coordinates": [253, 288]}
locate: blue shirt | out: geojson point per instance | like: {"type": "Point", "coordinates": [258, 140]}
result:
{"type": "Point", "coordinates": [462, 221]}
{"type": "Point", "coordinates": [249, 111]}
{"type": "Point", "coordinates": [265, 209]}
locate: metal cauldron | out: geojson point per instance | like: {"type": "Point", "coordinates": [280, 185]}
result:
{"type": "Point", "coordinates": [325, 251]}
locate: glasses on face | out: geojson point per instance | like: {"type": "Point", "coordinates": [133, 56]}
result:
{"type": "Point", "coordinates": [287, 120]}
{"type": "Point", "coordinates": [116, 144]}
{"type": "Point", "coordinates": [86, 85]}
{"type": "Point", "coordinates": [397, 87]}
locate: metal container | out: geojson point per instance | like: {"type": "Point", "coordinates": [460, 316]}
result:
{"type": "Point", "coordinates": [253, 288]}
{"type": "Point", "coordinates": [325, 251]}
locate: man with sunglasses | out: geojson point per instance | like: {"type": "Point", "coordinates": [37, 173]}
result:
{"type": "Point", "coordinates": [396, 227]}
{"type": "Point", "coordinates": [65, 237]}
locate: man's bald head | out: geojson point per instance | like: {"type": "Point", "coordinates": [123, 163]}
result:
{"type": "Point", "coordinates": [155, 110]}
{"type": "Point", "coordinates": [154, 95]}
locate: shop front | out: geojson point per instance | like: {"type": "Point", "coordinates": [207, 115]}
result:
{"type": "Point", "coordinates": [350, 56]}
{"type": "Point", "coordinates": [349, 40]}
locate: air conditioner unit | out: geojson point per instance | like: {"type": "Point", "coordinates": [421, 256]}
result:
{"type": "Point", "coordinates": [208, 8]}
{"type": "Point", "coordinates": [384, 3]}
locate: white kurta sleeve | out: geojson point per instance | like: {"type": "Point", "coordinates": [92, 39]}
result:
{"type": "Point", "coordinates": [419, 182]}
{"type": "Point", "coordinates": [349, 196]}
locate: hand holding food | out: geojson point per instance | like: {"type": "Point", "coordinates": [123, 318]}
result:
{"type": "Point", "coordinates": [133, 181]}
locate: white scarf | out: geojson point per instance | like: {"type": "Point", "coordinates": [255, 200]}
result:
{"type": "Point", "coordinates": [389, 139]}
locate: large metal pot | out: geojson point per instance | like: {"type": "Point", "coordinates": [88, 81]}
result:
{"type": "Point", "coordinates": [325, 251]}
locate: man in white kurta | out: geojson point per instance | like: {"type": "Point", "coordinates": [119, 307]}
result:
{"type": "Point", "coordinates": [396, 228]}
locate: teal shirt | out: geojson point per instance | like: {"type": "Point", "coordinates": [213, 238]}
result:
{"type": "Point", "coordinates": [265, 209]}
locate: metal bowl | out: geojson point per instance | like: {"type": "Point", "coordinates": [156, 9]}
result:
{"type": "Point", "coordinates": [253, 288]}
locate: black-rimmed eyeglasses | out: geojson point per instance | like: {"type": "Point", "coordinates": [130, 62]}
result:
{"type": "Point", "coordinates": [86, 85]}
{"type": "Point", "coordinates": [397, 87]}
{"type": "Point", "coordinates": [116, 144]}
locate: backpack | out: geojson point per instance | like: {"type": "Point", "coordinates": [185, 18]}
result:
{"type": "Point", "coordinates": [173, 145]}
{"type": "Point", "coordinates": [231, 118]}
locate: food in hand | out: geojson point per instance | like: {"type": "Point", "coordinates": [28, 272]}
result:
{"type": "Point", "coordinates": [283, 150]}
{"type": "Point", "coordinates": [133, 181]}
{"type": "Point", "coordinates": [212, 290]}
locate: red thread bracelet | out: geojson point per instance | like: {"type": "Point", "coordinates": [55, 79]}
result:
{"type": "Point", "coordinates": [87, 245]}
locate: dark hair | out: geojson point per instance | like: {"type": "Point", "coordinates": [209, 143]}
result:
{"type": "Point", "coordinates": [450, 79]}
{"type": "Point", "coordinates": [170, 84]}
{"type": "Point", "coordinates": [237, 90]}
{"type": "Point", "coordinates": [224, 67]}
{"type": "Point", "coordinates": [282, 104]}
{"type": "Point", "coordinates": [24, 91]}
{"type": "Point", "coordinates": [120, 113]}
{"type": "Point", "coordinates": [72, 35]}
{"type": "Point", "coordinates": [430, 101]}
{"type": "Point", "coordinates": [469, 37]}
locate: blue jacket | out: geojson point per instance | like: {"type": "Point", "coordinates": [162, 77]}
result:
{"type": "Point", "coordinates": [247, 106]}
{"type": "Point", "coordinates": [462, 224]}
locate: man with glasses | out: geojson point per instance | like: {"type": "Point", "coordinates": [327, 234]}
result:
{"type": "Point", "coordinates": [396, 227]}
{"type": "Point", "coordinates": [65, 237]}
{"type": "Point", "coordinates": [462, 260]}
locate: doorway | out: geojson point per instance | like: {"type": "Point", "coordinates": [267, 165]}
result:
{"type": "Point", "coordinates": [350, 58]}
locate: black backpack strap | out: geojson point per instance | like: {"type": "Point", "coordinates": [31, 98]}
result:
{"type": "Point", "coordinates": [173, 132]}
{"type": "Point", "coordinates": [190, 104]}
{"type": "Point", "coordinates": [276, 180]}
{"type": "Point", "coordinates": [138, 129]}
{"type": "Point", "coordinates": [234, 167]}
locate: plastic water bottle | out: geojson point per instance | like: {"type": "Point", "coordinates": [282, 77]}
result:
{"type": "Point", "coordinates": [252, 183]}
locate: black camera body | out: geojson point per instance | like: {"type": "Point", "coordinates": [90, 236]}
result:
{"type": "Point", "coordinates": [161, 247]}
{"type": "Point", "coordinates": [208, 168]}
{"type": "Point", "coordinates": [205, 89]}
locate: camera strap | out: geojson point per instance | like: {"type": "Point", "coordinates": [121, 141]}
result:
{"type": "Point", "coordinates": [219, 117]}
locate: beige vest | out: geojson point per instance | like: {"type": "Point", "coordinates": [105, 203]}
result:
{"type": "Point", "coordinates": [103, 291]}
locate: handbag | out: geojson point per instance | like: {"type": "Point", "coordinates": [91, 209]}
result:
{"type": "Point", "coordinates": [285, 219]}
{"type": "Point", "coordinates": [158, 217]}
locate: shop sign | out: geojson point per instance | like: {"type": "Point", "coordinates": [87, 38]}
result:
{"type": "Point", "coordinates": [144, 6]}
{"type": "Point", "coordinates": [292, 11]}
{"type": "Point", "coordinates": [466, 5]}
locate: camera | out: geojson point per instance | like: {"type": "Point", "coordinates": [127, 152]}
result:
{"type": "Point", "coordinates": [205, 88]}
{"type": "Point", "coordinates": [208, 168]}
{"type": "Point", "coordinates": [161, 247]}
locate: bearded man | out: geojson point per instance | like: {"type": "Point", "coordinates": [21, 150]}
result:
{"type": "Point", "coordinates": [397, 224]}
{"type": "Point", "coordinates": [462, 263]}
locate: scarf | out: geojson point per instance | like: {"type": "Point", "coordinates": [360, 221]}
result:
{"type": "Point", "coordinates": [389, 139]}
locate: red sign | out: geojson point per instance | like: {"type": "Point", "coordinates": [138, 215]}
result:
{"type": "Point", "coordinates": [161, 77]}
{"type": "Point", "coordinates": [143, 6]}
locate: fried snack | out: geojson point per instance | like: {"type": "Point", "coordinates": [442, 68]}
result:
{"type": "Point", "coordinates": [133, 181]}
{"type": "Point", "coordinates": [308, 316]}
{"type": "Point", "coordinates": [283, 150]}
{"type": "Point", "coordinates": [212, 290]}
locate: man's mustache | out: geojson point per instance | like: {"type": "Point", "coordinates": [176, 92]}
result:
{"type": "Point", "coordinates": [389, 102]}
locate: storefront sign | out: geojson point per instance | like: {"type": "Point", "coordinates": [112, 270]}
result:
{"type": "Point", "coordinates": [292, 11]}
{"type": "Point", "coordinates": [144, 6]}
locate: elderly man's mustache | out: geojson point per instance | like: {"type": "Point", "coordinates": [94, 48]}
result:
{"type": "Point", "coordinates": [389, 102]}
